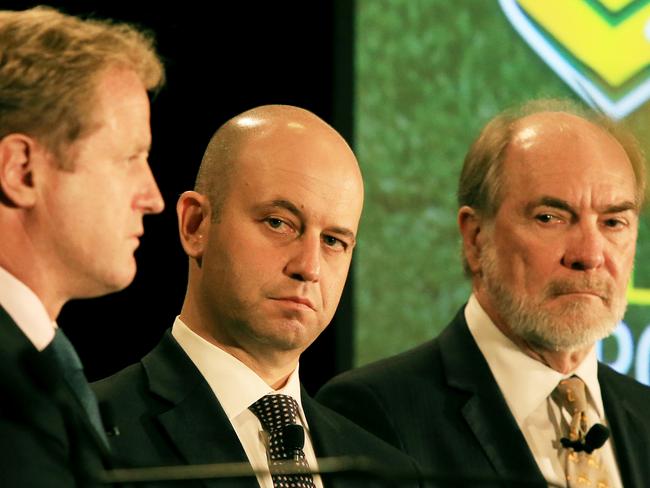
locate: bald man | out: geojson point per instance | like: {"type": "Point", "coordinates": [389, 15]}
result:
{"type": "Point", "coordinates": [269, 231]}
{"type": "Point", "coordinates": [549, 202]}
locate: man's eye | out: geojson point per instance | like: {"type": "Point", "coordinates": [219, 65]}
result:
{"type": "Point", "coordinates": [274, 223]}
{"type": "Point", "coordinates": [545, 218]}
{"type": "Point", "coordinates": [280, 226]}
{"type": "Point", "coordinates": [613, 223]}
{"type": "Point", "coordinates": [333, 242]}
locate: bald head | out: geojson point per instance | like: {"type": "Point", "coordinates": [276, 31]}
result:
{"type": "Point", "coordinates": [271, 131]}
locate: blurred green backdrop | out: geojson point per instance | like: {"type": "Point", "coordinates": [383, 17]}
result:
{"type": "Point", "coordinates": [429, 74]}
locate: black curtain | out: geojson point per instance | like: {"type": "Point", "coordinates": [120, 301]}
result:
{"type": "Point", "coordinates": [222, 58]}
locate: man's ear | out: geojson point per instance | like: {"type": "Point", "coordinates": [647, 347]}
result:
{"type": "Point", "coordinates": [470, 226]}
{"type": "Point", "coordinates": [17, 153]}
{"type": "Point", "coordinates": [193, 210]}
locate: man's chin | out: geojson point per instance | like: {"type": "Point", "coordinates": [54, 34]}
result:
{"type": "Point", "coordinates": [291, 335]}
{"type": "Point", "coordinates": [122, 280]}
{"type": "Point", "coordinates": [568, 333]}
{"type": "Point", "coordinates": [108, 283]}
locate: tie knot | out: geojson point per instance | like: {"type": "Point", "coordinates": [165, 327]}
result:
{"type": "Point", "coordinates": [572, 395]}
{"type": "Point", "coordinates": [275, 411]}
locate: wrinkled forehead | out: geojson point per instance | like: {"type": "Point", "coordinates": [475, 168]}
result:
{"type": "Point", "coordinates": [564, 146]}
{"type": "Point", "coordinates": [551, 129]}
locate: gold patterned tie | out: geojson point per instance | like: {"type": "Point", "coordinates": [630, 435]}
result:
{"type": "Point", "coordinates": [582, 467]}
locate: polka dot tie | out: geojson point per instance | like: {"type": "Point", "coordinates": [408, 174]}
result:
{"type": "Point", "coordinates": [275, 413]}
{"type": "Point", "coordinates": [582, 469]}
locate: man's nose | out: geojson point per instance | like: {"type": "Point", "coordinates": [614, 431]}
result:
{"type": "Point", "coordinates": [304, 264]}
{"type": "Point", "coordinates": [585, 247]}
{"type": "Point", "coordinates": [149, 200]}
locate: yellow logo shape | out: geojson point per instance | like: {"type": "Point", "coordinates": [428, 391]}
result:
{"type": "Point", "coordinates": [600, 48]}
{"type": "Point", "coordinates": [616, 5]}
{"type": "Point", "coordinates": [615, 51]}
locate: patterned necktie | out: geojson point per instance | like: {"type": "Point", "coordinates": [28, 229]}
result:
{"type": "Point", "coordinates": [582, 468]}
{"type": "Point", "coordinates": [74, 376]}
{"type": "Point", "coordinates": [277, 414]}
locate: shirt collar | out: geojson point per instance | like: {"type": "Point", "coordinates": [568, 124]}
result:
{"type": "Point", "coordinates": [26, 309]}
{"type": "Point", "coordinates": [524, 381]}
{"type": "Point", "coordinates": [235, 385]}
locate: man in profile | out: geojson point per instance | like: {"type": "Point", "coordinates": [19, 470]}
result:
{"type": "Point", "coordinates": [549, 203]}
{"type": "Point", "coordinates": [74, 186]}
{"type": "Point", "coordinates": [269, 231]}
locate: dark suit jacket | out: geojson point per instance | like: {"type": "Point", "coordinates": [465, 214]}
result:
{"type": "Point", "coordinates": [168, 415]}
{"type": "Point", "coordinates": [46, 438]}
{"type": "Point", "coordinates": [440, 404]}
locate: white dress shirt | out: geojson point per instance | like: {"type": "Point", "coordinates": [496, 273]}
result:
{"type": "Point", "coordinates": [527, 385]}
{"type": "Point", "coordinates": [237, 387]}
{"type": "Point", "coordinates": [26, 309]}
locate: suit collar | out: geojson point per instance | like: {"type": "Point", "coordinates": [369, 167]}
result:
{"type": "Point", "coordinates": [235, 384]}
{"type": "Point", "coordinates": [26, 309]}
{"type": "Point", "coordinates": [627, 426]}
{"type": "Point", "coordinates": [514, 370]}
{"type": "Point", "coordinates": [328, 438]}
{"type": "Point", "coordinates": [485, 411]}
{"type": "Point", "coordinates": [327, 435]}
{"type": "Point", "coordinates": [35, 380]}
{"type": "Point", "coordinates": [194, 421]}
{"type": "Point", "coordinates": [27, 374]}
{"type": "Point", "coordinates": [14, 345]}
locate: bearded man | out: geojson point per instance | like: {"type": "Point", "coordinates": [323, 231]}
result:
{"type": "Point", "coordinates": [549, 200]}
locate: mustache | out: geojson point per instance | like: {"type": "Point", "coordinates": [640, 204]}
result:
{"type": "Point", "coordinates": [598, 286]}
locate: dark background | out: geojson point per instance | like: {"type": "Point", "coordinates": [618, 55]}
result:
{"type": "Point", "coordinates": [221, 59]}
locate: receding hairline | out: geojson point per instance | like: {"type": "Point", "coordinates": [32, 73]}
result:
{"type": "Point", "coordinates": [547, 123]}
{"type": "Point", "coordinates": [488, 151]}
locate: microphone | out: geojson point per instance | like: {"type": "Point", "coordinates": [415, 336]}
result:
{"type": "Point", "coordinates": [595, 438]}
{"type": "Point", "coordinates": [293, 436]}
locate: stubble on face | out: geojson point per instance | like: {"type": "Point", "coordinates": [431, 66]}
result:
{"type": "Point", "coordinates": [566, 326]}
{"type": "Point", "coordinates": [271, 276]}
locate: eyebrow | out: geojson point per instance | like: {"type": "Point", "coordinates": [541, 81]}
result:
{"type": "Point", "coordinates": [564, 205]}
{"type": "Point", "coordinates": [287, 205]}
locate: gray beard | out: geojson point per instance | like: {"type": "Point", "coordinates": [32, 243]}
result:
{"type": "Point", "coordinates": [577, 325]}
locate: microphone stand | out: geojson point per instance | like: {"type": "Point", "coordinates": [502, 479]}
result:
{"type": "Point", "coordinates": [358, 467]}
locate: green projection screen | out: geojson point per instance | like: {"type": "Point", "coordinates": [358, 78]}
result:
{"type": "Point", "coordinates": [429, 74]}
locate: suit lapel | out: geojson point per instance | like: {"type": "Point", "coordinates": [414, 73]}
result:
{"type": "Point", "coordinates": [28, 381]}
{"type": "Point", "coordinates": [41, 375]}
{"type": "Point", "coordinates": [196, 422]}
{"type": "Point", "coordinates": [627, 428]}
{"type": "Point", "coordinates": [485, 411]}
{"type": "Point", "coordinates": [327, 438]}
{"type": "Point", "coordinates": [68, 399]}
{"type": "Point", "coordinates": [35, 379]}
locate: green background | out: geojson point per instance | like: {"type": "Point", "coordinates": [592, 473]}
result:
{"type": "Point", "coordinates": [429, 74]}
